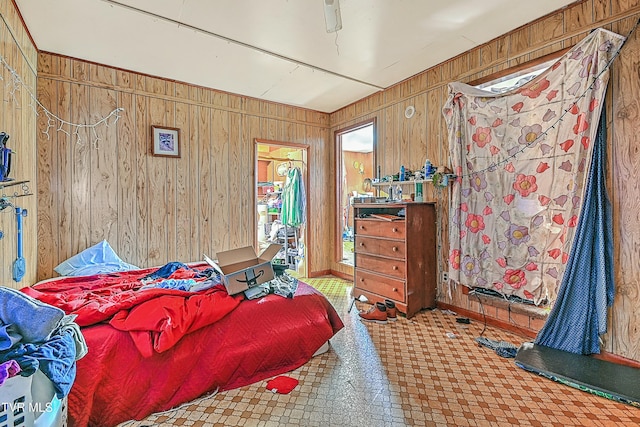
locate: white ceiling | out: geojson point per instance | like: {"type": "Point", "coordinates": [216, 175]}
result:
{"type": "Point", "coordinates": [276, 50]}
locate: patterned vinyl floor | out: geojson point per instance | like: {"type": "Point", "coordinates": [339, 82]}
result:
{"type": "Point", "coordinates": [413, 372]}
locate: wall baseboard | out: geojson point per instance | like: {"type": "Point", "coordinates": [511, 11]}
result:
{"type": "Point", "coordinates": [604, 355]}
{"type": "Point", "coordinates": [492, 321]}
{"type": "Point", "coordinates": [342, 275]}
{"type": "Point", "coordinates": [618, 360]}
{"type": "Point", "coordinates": [320, 273]}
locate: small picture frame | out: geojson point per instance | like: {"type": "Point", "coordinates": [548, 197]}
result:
{"type": "Point", "coordinates": [166, 141]}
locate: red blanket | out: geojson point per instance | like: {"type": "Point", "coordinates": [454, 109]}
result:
{"type": "Point", "coordinates": [156, 318]}
{"type": "Point", "coordinates": [257, 340]}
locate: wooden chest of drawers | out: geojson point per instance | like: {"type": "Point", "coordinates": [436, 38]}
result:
{"type": "Point", "coordinates": [396, 258]}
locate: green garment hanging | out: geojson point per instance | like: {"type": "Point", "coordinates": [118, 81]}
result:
{"type": "Point", "coordinates": [293, 199]}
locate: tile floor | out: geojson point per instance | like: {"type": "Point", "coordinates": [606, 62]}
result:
{"type": "Point", "coordinates": [407, 373]}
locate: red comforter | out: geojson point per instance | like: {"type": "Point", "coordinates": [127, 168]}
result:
{"type": "Point", "coordinates": [222, 343]}
{"type": "Point", "coordinates": [156, 318]}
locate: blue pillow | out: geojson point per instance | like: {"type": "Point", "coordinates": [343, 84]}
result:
{"type": "Point", "coordinates": [33, 319]}
{"type": "Point", "coordinates": [99, 258]}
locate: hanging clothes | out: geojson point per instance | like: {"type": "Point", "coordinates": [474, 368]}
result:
{"type": "Point", "coordinates": [293, 199]}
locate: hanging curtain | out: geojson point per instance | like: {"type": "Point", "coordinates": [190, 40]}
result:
{"type": "Point", "coordinates": [293, 199]}
{"type": "Point", "coordinates": [579, 315]}
{"type": "Point", "coordinates": [522, 158]}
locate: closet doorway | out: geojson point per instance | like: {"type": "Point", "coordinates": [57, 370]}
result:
{"type": "Point", "coordinates": [281, 201]}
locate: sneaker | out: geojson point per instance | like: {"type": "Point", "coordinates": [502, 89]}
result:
{"type": "Point", "coordinates": [377, 313]}
{"type": "Point", "coordinates": [392, 313]}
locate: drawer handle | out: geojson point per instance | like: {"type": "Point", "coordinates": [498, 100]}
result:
{"type": "Point", "coordinates": [362, 227]}
{"type": "Point", "coordinates": [361, 243]}
{"type": "Point", "coordinates": [395, 289]}
{"type": "Point", "coordinates": [395, 267]}
{"type": "Point", "coordinates": [362, 279]}
{"type": "Point", "coordinates": [395, 249]}
{"type": "Point", "coordinates": [395, 229]}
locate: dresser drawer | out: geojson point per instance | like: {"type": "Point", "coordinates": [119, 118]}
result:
{"type": "Point", "coordinates": [390, 229]}
{"type": "Point", "coordinates": [381, 285]}
{"type": "Point", "coordinates": [390, 267]}
{"type": "Point", "coordinates": [375, 246]}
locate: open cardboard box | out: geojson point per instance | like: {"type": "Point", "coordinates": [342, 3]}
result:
{"type": "Point", "coordinates": [243, 268]}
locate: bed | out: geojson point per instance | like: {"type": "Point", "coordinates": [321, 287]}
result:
{"type": "Point", "coordinates": [151, 350]}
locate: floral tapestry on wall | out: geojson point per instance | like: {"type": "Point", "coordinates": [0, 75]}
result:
{"type": "Point", "coordinates": [521, 159]}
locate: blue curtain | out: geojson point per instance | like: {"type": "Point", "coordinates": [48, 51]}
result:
{"type": "Point", "coordinates": [579, 314]}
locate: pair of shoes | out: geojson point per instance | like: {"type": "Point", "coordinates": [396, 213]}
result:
{"type": "Point", "coordinates": [380, 312]}
{"type": "Point", "coordinates": [392, 313]}
{"type": "Point", "coordinates": [377, 313]}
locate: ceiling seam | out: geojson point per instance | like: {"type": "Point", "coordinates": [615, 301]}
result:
{"type": "Point", "coordinates": [242, 44]}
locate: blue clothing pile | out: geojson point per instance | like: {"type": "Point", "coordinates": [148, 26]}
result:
{"type": "Point", "coordinates": [39, 336]}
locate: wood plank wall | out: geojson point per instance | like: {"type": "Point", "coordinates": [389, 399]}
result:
{"type": "Point", "coordinates": [18, 119]}
{"type": "Point", "coordinates": [153, 210]}
{"type": "Point", "coordinates": [409, 142]}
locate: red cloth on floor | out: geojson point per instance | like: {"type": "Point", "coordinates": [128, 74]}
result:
{"type": "Point", "coordinates": [282, 384]}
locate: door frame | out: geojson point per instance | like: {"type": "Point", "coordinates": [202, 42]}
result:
{"type": "Point", "coordinates": [338, 247]}
{"type": "Point", "coordinates": [308, 238]}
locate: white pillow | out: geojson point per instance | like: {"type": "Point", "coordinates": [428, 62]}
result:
{"type": "Point", "coordinates": [99, 258]}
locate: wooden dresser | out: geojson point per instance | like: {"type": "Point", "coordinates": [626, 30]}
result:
{"type": "Point", "coordinates": [396, 258]}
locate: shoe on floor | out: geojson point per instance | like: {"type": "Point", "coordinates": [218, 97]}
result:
{"type": "Point", "coordinates": [392, 313]}
{"type": "Point", "coordinates": [377, 313]}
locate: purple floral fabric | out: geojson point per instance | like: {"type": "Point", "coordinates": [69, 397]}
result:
{"type": "Point", "coordinates": [522, 159]}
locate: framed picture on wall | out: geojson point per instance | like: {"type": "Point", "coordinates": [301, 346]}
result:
{"type": "Point", "coordinates": [166, 141]}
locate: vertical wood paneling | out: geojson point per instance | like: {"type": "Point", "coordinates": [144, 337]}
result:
{"type": "Point", "coordinates": [63, 175]}
{"type": "Point", "coordinates": [19, 120]}
{"type": "Point", "coordinates": [239, 168]}
{"type": "Point", "coordinates": [126, 179]}
{"type": "Point", "coordinates": [184, 192]}
{"type": "Point", "coordinates": [206, 198]}
{"type": "Point", "coordinates": [404, 135]}
{"type": "Point", "coordinates": [221, 167]}
{"type": "Point", "coordinates": [625, 199]}
{"type": "Point", "coordinates": [47, 163]}
{"type": "Point", "coordinates": [250, 128]}
{"type": "Point", "coordinates": [103, 171]}
{"type": "Point", "coordinates": [548, 28]}
{"type": "Point", "coordinates": [80, 170]}
{"type": "Point", "coordinates": [194, 181]}
{"type": "Point", "coordinates": [419, 133]}
{"type": "Point", "coordinates": [601, 9]}
{"type": "Point", "coordinates": [389, 138]}
{"type": "Point", "coordinates": [170, 194]}
{"type": "Point", "coordinates": [142, 141]}
{"type": "Point", "coordinates": [578, 16]}
{"type": "Point", "coordinates": [157, 189]}
{"type": "Point", "coordinates": [248, 180]}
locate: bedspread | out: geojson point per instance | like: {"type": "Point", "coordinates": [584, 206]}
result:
{"type": "Point", "coordinates": [256, 340]}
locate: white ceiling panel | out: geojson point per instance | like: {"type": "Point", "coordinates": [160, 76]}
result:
{"type": "Point", "coordinates": [276, 50]}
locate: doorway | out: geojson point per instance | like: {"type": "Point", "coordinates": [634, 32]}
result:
{"type": "Point", "coordinates": [281, 200]}
{"type": "Point", "coordinates": [355, 164]}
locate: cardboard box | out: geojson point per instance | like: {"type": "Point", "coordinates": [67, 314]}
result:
{"type": "Point", "coordinates": [242, 268]}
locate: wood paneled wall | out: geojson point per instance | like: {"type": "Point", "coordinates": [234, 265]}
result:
{"type": "Point", "coordinates": [18, 119]}
{"type": "Point", "coordinates": [409, 142]}
{"type": "Point", "coordinates": [153, 210]}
